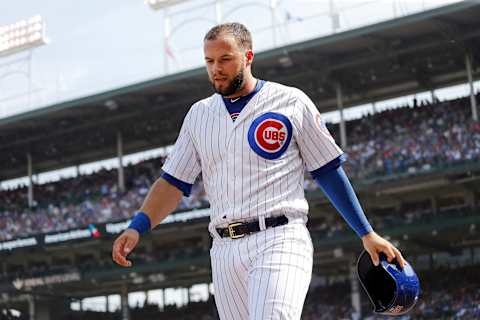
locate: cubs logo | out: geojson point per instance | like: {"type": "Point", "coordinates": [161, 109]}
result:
{"type": "Point", "coordinates": [269, 135]}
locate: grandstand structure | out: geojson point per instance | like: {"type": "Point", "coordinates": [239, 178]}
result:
{"type": "Point", "coordinates": [432, 214]}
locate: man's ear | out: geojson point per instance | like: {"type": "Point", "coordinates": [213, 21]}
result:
{"type": "Point", "coordinates": [249, 56]}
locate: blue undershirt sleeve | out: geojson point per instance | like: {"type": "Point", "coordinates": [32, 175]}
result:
{"type": "Point", "coordinates": [333, 181]}
{"type": "Point", "coordinates": [334, 164]}
{"type": "Point", "coordinates": [185, 187]}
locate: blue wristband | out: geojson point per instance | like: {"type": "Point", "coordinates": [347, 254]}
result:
{"type": "Point", "coordinates": [141, 223]}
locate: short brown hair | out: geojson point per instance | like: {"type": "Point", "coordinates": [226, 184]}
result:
{"type": "Point", "coordinates": [237, 30]}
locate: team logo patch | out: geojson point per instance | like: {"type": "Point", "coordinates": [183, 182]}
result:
{"type": "Point", "coordinates": [269, 135]}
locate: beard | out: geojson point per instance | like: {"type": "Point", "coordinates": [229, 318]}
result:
{"type": "Point", "coordinates": [235, 85]}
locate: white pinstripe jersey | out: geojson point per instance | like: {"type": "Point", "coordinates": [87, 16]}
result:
{"type": "Point", "coordinates": [255, 165]}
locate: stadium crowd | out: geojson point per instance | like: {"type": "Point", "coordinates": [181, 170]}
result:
{"type": "Point", "coordinates": [413, 139]}
{"type": "Point", "coordinates": [403, 140]}
{"type": "Point", "coordinates": [77, 202]}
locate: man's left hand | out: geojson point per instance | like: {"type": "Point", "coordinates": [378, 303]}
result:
{"type": "Point", "coordinates": [374, 244]}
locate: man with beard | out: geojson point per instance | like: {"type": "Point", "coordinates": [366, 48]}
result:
{"type": "Point", "coordinates": [252, 141]}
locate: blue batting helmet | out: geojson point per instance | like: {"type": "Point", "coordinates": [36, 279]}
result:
{"type": "Point", "coordinates": [392, 290]}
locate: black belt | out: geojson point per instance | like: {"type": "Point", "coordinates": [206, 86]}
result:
{"type": "Point", "coordinates": [240, 229]}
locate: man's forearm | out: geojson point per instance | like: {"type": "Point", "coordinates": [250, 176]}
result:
{"type": "Point", "coordinates": [339, 191]}
{"type": "Point", "coordinates": [161, 200]}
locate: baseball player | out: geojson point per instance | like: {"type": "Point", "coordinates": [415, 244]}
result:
{"type": "Point", "coordinates": [251, 141]}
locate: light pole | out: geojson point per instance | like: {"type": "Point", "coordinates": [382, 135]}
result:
{"type": "Point", "coordinates": [21, 37]}
{"type": "Point", "coordinates": [164, 5]}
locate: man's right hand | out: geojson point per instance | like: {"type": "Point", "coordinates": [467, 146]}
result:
{"type": "Point", "coordinates": [123, 245]}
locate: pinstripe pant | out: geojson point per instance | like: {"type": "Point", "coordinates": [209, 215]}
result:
{"type": "Point", "coordinates": [264, 275]}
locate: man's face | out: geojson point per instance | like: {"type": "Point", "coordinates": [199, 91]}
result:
{"type": "Point", "coordinates": [226, 63]}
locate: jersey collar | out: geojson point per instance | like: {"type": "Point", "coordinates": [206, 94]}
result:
{"type": "Point", "coordinates": [243, 99]}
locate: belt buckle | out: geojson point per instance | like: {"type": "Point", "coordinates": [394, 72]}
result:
{"type": "Point", "coordinates": [231, 231]}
